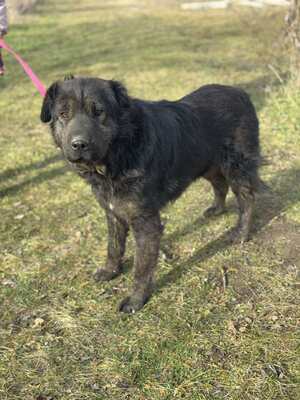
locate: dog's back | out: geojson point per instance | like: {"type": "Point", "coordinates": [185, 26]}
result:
{"type": "Point", "coordinates": [228, 111]}
{"type": "Point", "coordinates": [230, 118]}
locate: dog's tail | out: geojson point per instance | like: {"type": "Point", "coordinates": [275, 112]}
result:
{"type": "Point", "coordinates": [259, 184]}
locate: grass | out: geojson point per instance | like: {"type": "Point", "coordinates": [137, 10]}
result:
{"type": "Point", "coordinates": [60, 335]}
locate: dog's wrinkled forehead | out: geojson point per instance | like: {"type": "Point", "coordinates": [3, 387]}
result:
{"type": "Point", "coordinates": [82, 89]}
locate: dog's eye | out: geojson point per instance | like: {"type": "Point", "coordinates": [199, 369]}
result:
{"type": "Point", "coordinates": [63, 114]}
{"type": "Point", "coordinates": [97, 111]}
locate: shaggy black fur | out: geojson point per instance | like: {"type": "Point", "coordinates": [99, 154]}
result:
{"type": "Point", "coordinates": [138, 155]}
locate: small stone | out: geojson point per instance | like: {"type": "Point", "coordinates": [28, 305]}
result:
{"type": "Point", "coordinates": [38, 322]}
{"type": "Point", "coordinates": [19, 216]}
{"type": "Point", "coordinates": [9, 283]}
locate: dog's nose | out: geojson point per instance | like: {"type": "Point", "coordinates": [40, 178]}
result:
{"type": "Point", "coordinates": [79, 144]}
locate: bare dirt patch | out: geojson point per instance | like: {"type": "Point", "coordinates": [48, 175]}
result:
{"type": "Point", "coordinates": [285, 236]}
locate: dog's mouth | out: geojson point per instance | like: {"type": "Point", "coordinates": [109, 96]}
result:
{"type": "Point", "coordinates": [88, 167]}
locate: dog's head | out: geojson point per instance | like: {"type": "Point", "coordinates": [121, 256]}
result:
{"type": "Point", "coordinates": [84, 115]}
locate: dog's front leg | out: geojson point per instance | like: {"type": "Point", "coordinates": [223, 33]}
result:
{"type": "Point", "coordinates": [117, 233]}
{"type": "Point", "coordinates": [147, 232]}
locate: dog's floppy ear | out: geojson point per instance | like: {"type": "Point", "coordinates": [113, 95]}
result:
{"type": "Point", "coordinates": [48, 103]}
{"type": "Point", "coordinates": [120, 93]}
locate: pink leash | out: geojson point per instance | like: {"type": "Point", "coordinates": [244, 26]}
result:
{"type": "Point", "coordinates": [35, 80]}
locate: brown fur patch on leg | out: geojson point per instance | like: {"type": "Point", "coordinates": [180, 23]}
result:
{"type": "Point", "coordinates": [117, 233]}
{"type": "Point", "coordinates": [220, 188]}
{"type": "Point", "coordinates": [245, 199]}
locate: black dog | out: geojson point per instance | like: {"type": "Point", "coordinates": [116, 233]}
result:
{"type": "Point", "coordinates": [138, 155]}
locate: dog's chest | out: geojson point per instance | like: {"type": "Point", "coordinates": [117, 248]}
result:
{"type": "Point", "coordinates": [121, 200]}
{"type": "Point", "coordinates": [124, 209]}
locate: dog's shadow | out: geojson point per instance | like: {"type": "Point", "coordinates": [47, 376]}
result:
{"type": "Point", "coordinates": [43, 175]}
{"type": "Point", "coordinates": [281, 195]}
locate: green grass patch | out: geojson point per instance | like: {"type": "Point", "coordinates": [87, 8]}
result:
{"type": "Point", "coordinates": [61, 337]}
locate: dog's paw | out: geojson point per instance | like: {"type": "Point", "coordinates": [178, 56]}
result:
{"type": "Point", "coordinates": [237, 236]}
{"type": "Point", "coordinates": [213, 211]}
{"type": "Point", "coordinates": [103, 275]}
{"type": "Point", "coordinates": [132, 304]}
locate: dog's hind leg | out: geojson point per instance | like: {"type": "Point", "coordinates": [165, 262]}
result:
{"type": "Point", "coordinates": [220, 187]}
{"type": "Point", "coordinates": [243, 178]}
{"type": "Point", "coordinates": [147, 232]}
{"type": "Point", "coordinates": [245, 198]}
{"type": "Point", "coordinates": [117, 233]}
